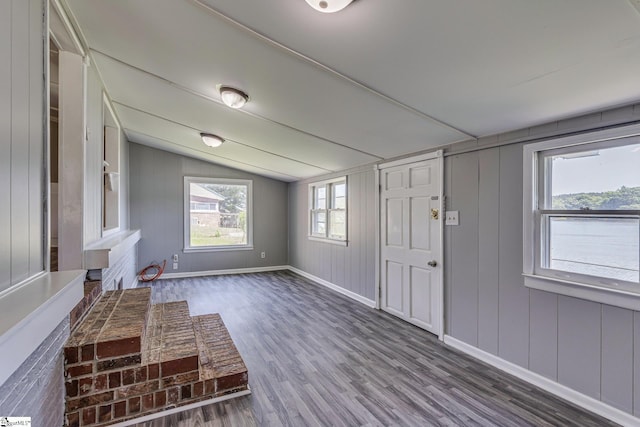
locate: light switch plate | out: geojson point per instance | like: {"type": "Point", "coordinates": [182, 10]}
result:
{"type": "Point", "coordinates": [451, 218]}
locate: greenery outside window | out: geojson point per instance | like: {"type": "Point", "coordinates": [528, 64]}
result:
{"type": "Point", "coordinates": [328, 210]}
{"type": "Point", "coordinates": [217, 214]}
{"type": "Point", "coordinates": [582, 216]}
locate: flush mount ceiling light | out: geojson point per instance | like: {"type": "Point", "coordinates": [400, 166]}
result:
{"type": "Point", "coordinates": [232, 97]}
{"type": "Point", "coordinates": [328, 6]}
{"type": "Point", "coordinates": [211, 140]}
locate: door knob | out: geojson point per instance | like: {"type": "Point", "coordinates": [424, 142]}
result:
{"type": "Point", "coordinates": [432, 263]}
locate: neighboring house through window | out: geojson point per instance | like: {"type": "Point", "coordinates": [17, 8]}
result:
{"type": "Point", "coordinates": [217, 214]}
{"type": "Point", "coordinates": [582, 216]}
{"type": "Point", "coordinates": [328, 210]}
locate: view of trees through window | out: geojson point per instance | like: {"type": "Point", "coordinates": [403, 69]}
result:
{"type": "Point", "coordinates": [224, 221]}
{"type": "Point", "coordinates": [589, 242]}
{"type": "Point", "coordinates": [624, 198]}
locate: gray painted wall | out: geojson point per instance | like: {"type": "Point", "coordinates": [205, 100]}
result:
{"type": "Point", "coordinates": [156, 189]}
{"type": "Point", "coordinates": [589, 347]}
{"type": "Point", "coordinates": [351, 267]}
{"type": "Point", "coordinates": [21, 140]}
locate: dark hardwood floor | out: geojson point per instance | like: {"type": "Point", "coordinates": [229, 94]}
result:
{"type": "Point", "coordinates": [318, 358]}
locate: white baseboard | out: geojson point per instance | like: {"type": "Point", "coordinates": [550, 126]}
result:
{"type": "Point", "coordinates": [582, 400]}
{"type": "Point", "coordinates": [221, 272]}
{"type": "Point", "coordinates": [182, 408]}
{"type": "Point", "coordinates": [334, 287]}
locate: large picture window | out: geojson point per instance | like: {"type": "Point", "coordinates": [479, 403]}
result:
{"type": "Point", "coordinates": [328, 210]}
{"type": "Point", "coordinates": [582, 214]}
{"type": "Point", "coordinates": [217, 214]}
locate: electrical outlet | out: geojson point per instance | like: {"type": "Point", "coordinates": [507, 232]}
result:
{"type": "Point", "coordinates": [263, 254]}
{"type": "Point", "coordinates": [175, 265]}
{"type": "Point", "coordinates": [451, 218]}
{"type": "Point", "coordinates": [175, 257]}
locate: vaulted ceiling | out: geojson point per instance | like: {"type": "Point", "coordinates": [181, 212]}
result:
{"type": "Point", "coordinates": [377, 80]}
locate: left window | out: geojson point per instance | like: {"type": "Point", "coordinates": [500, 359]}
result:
{"type": "Point", "coordinates": [217, 214]}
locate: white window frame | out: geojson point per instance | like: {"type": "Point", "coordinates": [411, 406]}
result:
{"type": "Point", "coordinates": [187, 214]}
{"type": "Point", "coordinates": [536, 276]}
{"type": "Point", "coordinates": [328, 185]}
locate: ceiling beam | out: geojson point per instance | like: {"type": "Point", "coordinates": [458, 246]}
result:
{"type": "Point", "coordinates": [243, 111]}
{"type": "Point", "coordinates": [207, 153]}
{"type": "Point", "coordinates": [330, 70]}
{"type": "Point", "coordinates": [225, 138]}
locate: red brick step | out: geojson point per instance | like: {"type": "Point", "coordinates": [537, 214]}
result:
{"type": "Point", "coordinates": [114, 327]}
{"type": "Point", "coordinates": [127, 359]}
{"type": "Point", "coordinates": [221, 366]}
{"type": "Point", "coordinates": [170, 341]}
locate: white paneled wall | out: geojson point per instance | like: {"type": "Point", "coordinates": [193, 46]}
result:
{"type": "Point", "coordinates": [589, 347]}
{"type": "Point", "coordinates": [21, 141]}
{"type": "Point", "coordinates": [350, 267]}
{"type": "Point", "coordinates": [36, 388]}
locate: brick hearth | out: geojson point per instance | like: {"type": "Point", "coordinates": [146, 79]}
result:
{"type": "Point", "coordinates": [92, 291]}
{"type": "Point", "coordinates": [128, 359]}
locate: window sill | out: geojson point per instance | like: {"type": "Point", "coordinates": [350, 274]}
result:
{"type": "Point", "coordinates": [611, 296]}
{"type": "Point", "coordinates": [331, 241]}
{"type": "Point", "coordinates": [31, 311]}
{"type": "Point", "coordinates": [217, 249]}
{"type": "Point", "coordinates": [107, 251]}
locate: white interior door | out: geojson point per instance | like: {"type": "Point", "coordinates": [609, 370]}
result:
{"type": "Point", "coordinates": [410, 243]}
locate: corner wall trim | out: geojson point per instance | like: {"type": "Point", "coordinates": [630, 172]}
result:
{"type": "Point", "coordinates": [564, 392]}
{"type": "Point", "coordinates": [334, 287]}
{"type": "Point", "coordinates": [221, 272]}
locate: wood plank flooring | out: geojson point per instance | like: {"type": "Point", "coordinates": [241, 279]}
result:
{"type": "Point", "coordinates": [316, 358]}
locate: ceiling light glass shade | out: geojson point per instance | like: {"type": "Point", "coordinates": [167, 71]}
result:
{"type": "Point", "coordinates": [328, 6]}
{"type": "Point", "coordinates": [211, 140]}
{"type": "Point", "coordinates": [232, 97]}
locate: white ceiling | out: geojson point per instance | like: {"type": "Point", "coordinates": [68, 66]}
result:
{"type": "Point", "coordinates": [379, 79]}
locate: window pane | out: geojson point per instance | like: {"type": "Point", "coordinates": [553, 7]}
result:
{"type": "Point", "coordinates": [218, 214]}
{"type": "Point", "coordinates": [604, 247]}
{"type": "Point", "coordinates": [320, 197]}
{"type": "Point", "coordinates": [339, 196]}
{"type": "Point", "coordinates": [604, 179]}
{"type": "Point", "coordinates": [319, 223]}
{"type": "Point", "coordinates": [338, 225]}
{"type": "Point", "coordinates": [328, 210]}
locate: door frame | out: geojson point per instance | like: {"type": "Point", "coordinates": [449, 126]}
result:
{"type": "Point", "coordinates": [439, 291]}
{"type": "Point", "coordinates": [72, 133]}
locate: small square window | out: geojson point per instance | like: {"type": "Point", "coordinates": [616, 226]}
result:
{"type": "Point", "coordinates": [328, 210]}
{"type": "Point", "coordinates": [217, 214]}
